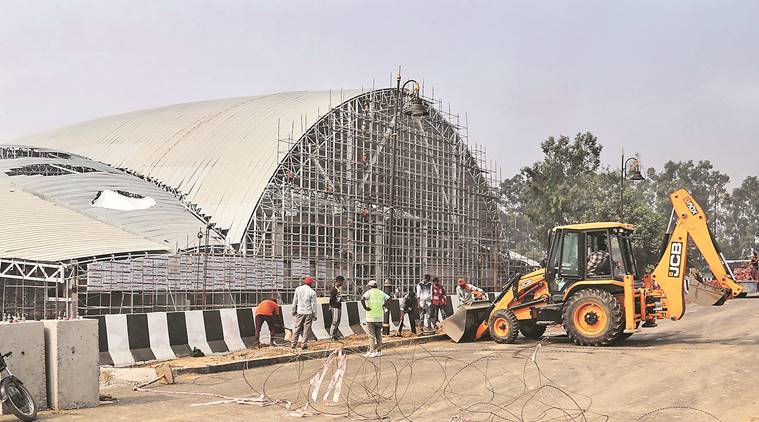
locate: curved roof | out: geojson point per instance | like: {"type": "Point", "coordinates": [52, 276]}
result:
{"type": "Point", "coordinates": [46, 200]}
{"type": "Point", "coordinates": [220, 153]}
{"type": "Point", "coordinates": [32, 230]}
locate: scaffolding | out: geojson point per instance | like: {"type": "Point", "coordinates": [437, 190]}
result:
{"type": "Point", "coordinates": [370, 192]}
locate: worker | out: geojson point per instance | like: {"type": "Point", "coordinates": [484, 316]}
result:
{"type": "Point", "coordinates": [598, 258]}
{"type": "Point", "coordinates": [468, 292]}
{"type": "Point", "coordinates": [335, 306]}
{"type": "Point", "coordinates": [304, 311]}
{"type": "Point", "coordinates": [268, 312]}
{"type": "Point", "coordinates": [754, 266]}
{"type": "Point", "coordinates": [408, 304]}
{"type": "Point", "coordinates": [439, 299]}
{"type": "Point", "coordinates": [373, 302]}
{"type": "Point", "coordinates": [424, 296]}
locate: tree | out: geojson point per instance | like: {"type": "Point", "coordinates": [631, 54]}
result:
{"type": "Point", "coordinates": [639, 210]}
{"type": "Point", "coordinates": [555, 190]}
{"type": "Point", "coordinates": [705, 184]}
{"type": "Point", "coordinates": [569, 186]}
{"type": "Point", "coordinates": [741, 219]}
{"type": "Point", "coordinates": [520, 232]}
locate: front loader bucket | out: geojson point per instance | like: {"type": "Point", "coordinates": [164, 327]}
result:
{"type": "Point", "coordinates": [701, 292]}
{"type": "Point", "coordinates": [463, 324]}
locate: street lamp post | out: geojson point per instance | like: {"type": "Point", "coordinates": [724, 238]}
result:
{"type": "Point", "coordinates": [416, 109]}
{"type": "Point", "coordinates": [633, 174]}
{"type": "Point", "coordinates": [197, 273]}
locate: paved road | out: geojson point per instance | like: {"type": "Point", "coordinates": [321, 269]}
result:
{"type": "Point", "coordinates": [704, 365]}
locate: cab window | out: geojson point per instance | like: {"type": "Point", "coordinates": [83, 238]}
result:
{"type": "Point", "coordinates": [598, 261]}
{"type": "Point", "coordinates": [553, 264]}
{"type": "Point", "coordinates": [617, 261]}
{"type": "Point", "coordinates": [629, 256]}
{"type": "Point", "coordinates": [570, 255]}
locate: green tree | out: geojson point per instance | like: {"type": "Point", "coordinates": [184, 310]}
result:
{"type": "Point", "coordinates": [704, 183]}
{"type": "Point", "coordinates": [569, 186]}
{"type": "Point", "coordinates": [555, 190]}
{"type": "Point", "coordinates": [639, 210]}
{"type": "Point", "coordinates": [741, 220]}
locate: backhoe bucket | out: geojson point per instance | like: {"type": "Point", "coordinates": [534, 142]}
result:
{"type": "Point", "coordinates": [463, 324]}
{"type": "Point", "coordinates": [701, 292]}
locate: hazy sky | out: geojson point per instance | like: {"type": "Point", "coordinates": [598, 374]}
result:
{"type": "Point", "coordinates": [672, 80]}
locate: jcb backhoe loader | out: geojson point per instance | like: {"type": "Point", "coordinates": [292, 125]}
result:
{"type": "Point", "coordinates": [590, 284]}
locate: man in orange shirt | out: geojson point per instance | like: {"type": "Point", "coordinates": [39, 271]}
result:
{"type": "Point", "coordinates": [268, 311]}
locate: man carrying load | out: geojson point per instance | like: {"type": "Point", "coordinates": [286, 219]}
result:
{"type": "Point", "coordinates": [468, 293]}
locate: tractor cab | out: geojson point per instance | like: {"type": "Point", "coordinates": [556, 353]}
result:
{"type": "Point", "coordinates": [595, 253]}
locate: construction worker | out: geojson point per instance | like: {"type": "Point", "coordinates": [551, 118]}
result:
{"type": "Point", "coordinates": [373, 302]}
{"type": "Point", "coordinates": [468, 293]}
{"type": "Point", "coordinates": [335, 306]}
{"type": "Point", "coordinates": [268, 312]}
{"type": "Point", "coordinates": [439, 299]}
{"type": "Point", "coordinates": [304, 311]}
{"type": "Point", "coordinates": [408, 304]}
{"type": "Point", "coordinates": [424, 296]}
{"type": "Point", "coordinates": [754, 266]}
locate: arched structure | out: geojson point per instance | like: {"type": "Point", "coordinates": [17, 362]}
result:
{"type": "Point", "coordinates": [319, 183]}
{"type": "Point", "coordinates": [371, 192]}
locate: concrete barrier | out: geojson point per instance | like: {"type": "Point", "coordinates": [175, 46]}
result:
{"type": "Point", "coordinates": [27, 342]}
{"type": "Point", "coordinates": [125, 340]}
{"type": "Point", "coordinates": [72, 363]}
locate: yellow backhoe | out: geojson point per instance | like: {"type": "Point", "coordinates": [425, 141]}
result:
{"type": "Point", "coordinates": [591, 286]}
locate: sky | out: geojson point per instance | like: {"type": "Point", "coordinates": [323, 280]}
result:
{"type": "Point", "coordinates": [669, 80]}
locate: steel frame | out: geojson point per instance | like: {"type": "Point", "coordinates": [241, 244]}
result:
{"type": "Point", "coordinates": [325, 210]}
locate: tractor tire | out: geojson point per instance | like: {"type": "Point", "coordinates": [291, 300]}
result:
{"type": "Point", "coordinates": [593, 317]}
{"type": "Point", "coordinates": [529, 329]}
{"type": "Point", "coordinates": [503, 326]}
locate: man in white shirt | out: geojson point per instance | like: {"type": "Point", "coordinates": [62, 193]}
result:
{"type": "Point", "coordinates": [304, 311]}
{"type": "Point", "coordinates": [424, 295]}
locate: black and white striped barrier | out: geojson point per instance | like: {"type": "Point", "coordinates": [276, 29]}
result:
{"type": "Point", "coordinates": [127, 339]}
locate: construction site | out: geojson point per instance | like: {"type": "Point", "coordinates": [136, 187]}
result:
{"type": "Point", "coordinates": [444, 211]}
{"type": "Point", "coordinates": [149, 241]}
{"type": "Point", "coordinates": [217, 204]}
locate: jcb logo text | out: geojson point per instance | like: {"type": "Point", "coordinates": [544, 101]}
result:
{"type": "Point", "coordinates": [689, 204]}
{"type": "Point", "coordinates": [675, 259]}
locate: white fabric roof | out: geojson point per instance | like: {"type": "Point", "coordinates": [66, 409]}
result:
{"type": "Point", "coordinates": [35, 229]}
{"type": "Point", "coordinates": [52, 218]}
{"type": "Point", "coordinates": [220, 153]}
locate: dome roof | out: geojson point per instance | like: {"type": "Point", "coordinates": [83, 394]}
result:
{"type": "Point", "coordinates": [220, 154]}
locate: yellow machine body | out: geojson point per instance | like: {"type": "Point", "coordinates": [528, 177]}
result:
{"type": "Point", "coordinates": [603, 310]}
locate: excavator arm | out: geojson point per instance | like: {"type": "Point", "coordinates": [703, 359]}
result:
{"type": "Point", "coordinates": [689, 223]}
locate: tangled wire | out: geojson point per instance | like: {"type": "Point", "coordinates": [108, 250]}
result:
{"type": "Point", "coordinates": [389, 389]}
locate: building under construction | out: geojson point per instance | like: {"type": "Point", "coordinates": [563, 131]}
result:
{"type": "Point", "coordinates": [251, 194]}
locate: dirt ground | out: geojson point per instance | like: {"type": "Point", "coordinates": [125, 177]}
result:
{"type": "Point", "coordinates": [269, 351]}
{"type": "Point", "coordinates": [703, 368]}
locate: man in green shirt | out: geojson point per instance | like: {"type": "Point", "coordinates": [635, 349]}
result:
{"type": "Point", "coordinates": [373, 302]}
